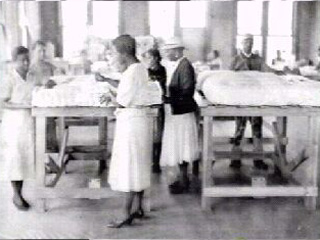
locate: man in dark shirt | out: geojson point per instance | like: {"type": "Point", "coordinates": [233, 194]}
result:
{"type": "Point", "coordinates": [249, 61]}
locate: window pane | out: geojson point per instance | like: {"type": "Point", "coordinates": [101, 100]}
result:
{"type": "Point", "coordinates": [74, 20]}
{"type": "Point", "coordinates": [257, 44]}
{"type": "Point", "coordinates": [105, 19]}
{"type": "Point", "coordinates": [162, 19]}
{"type": "Point", "coordinates": [280, 18]}
{"type": "Point", "coordinates": [283, 44]}
{"type": "Point", "coordinates": [193, 14]}
{"type": "Point", "coordinates": [249, 17]}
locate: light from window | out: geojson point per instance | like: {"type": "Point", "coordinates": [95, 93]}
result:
{"type": "Point", "coordinates": [280, 18]}
{"type": "Point", "coordinates": [283, 44]}
{"type": "Point", "coordinates": [105, 19]}
{"type": "Point", "coordinates": [74, 21]}
{"type": "Point", "coordinates": [193, 14]}
{"type": "Point", "coordinates": [249, 17]}
{"type": "Point", "coordinates": [162, 19]}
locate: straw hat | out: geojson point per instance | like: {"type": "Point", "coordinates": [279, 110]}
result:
{"type": "Point", "coordinates": [173, 43]}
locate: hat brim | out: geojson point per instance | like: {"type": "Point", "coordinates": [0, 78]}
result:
{"type": "Point", "coordinates": [172, 46]}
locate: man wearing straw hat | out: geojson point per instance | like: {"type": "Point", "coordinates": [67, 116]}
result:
{"type": "Point", "coordinates": [246, 60]}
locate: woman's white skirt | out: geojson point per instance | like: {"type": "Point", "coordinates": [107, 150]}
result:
{"type": "Point", "coordinates": [130, 167]}
{"type": "Point", "coordinates": [17, 160]}
{"type": "Point", "coordinates": [180, 138]}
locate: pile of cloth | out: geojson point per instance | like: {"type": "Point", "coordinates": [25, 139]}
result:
{"type": "Point", "coordinates": [71, 91]}
{"type": "Point", "coordinates": [85, 91]}
{"type": "Point", "coordinates": [251, 88]}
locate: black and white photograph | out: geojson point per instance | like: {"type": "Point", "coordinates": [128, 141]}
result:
{"type": "Point", "coordinates": [159, 119]}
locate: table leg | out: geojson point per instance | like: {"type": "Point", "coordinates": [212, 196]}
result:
{"type": "Point", "coordinates": [314, 154]}
{"type": "Point", "coordinates": [41, 157]}
{"type": "Point", "coordinates": [206, 158]}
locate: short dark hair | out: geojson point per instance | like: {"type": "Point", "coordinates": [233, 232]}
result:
{"type": "Point", "coordinates": [39, 43]}
{"type": "Point", "coordinates": [125, 44]}
{"type": "Point", "coordinates": [154, 52]}
{"type": "Point", "coordinates": [19, 51]}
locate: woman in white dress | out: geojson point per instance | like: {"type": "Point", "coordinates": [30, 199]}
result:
{"type": "Point", "coordinates": [132, 148]}
{"type": "Point", "coordinates": [180, 137]}
{"type": "Point", "coordinates": [17, 126]}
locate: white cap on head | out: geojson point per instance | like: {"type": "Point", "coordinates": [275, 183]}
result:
{"type": "Point", "coordinates": [247, 36]}
{"type": "Point", "coordinates": [172, 43]}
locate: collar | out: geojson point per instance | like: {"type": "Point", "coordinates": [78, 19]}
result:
{"type": "Point", "coordinates": [247, 55]}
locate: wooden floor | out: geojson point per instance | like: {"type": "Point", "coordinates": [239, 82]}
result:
{"type": "Point", "coordinates": [172, 216]}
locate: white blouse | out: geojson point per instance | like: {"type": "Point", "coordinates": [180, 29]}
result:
{"type": "Point", "coordinates": [134, 80]}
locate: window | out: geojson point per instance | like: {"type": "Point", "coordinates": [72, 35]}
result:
{"type": "Point", "coordinates": [105, 19]}
{"type": "Point", "coordinates": [193, 14]}
{"type": "Point", "coordinates": [23, 23]}
{"type": "Point", "coordinates": [250, 21]}
{"type": "Point", "coordinates": [279, 32]}
{"type": "Point", "coordinates": [162, 18]}
{"type": "Point", "coordinates": [74, 21]}
{"type": "Point", "coordinates": [278, 36]}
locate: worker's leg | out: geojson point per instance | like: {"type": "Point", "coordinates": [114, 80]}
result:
{"type": "Point", "coordinates": [256, 125]}
{"type": "Point", "coordinates": [241, 123]}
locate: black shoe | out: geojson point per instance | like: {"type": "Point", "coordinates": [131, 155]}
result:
{"type": "Point", "coordinates": [176, 188]}
{"type": "Point", "coordinates": [119, 224]}
{"type": "Point", "coordinates": [259, 164]}
{"type": "Point", "coordinates": [156, 169]}
{"type": "Point", "coordinates": [139, 214]}
{"type": "Point", "coordinates": [236, 164]}
{"type": "Point", "coordinates": [23, 206]}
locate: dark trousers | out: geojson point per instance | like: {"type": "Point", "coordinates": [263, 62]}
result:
{"type": "Point", "coordinates": [256, 126]}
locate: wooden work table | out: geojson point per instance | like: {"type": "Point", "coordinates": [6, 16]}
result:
{"type": "Point", "coordinates": [307, 189]}
{"type": "Point", "coordinates": [41, 114]}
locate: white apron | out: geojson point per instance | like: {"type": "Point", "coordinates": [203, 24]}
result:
{"type": "Point", "coordinates": [17, 132]}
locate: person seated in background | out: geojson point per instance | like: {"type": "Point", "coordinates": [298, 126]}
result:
{"type": "Point", "coordinates": [86, 63]}
{"type": "Point", "coordinates": [157, 72]}
{"type": "Point", "coordinates": [40, 67]}
{"type": "Point", "coordinates": [246, 60]}
{"type": "Point", "coordinates": [215, 63]}
{"type": "Point", "coordinates": [278, 63]}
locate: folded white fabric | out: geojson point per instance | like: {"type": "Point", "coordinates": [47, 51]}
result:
{"type": "Point", "coordinates": [251, 88]}
{"type": "Point", "coordinates": [72, 91]}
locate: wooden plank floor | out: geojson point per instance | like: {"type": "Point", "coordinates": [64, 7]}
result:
{"type": "Point", "coordinates": [172, 216]}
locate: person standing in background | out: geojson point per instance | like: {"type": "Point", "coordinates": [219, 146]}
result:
{"type": "Point", "coordinates": [157, 73]}
{"type": "Point", "coordinates": [246, 60]}
{"type": "Point", "coordinates": [216, 62]}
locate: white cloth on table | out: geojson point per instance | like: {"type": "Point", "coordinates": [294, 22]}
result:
{"type": "Point", "coordinates": [17, 131]}
{"type": "Point", "coordinates": [130, 167]}
{"type": "Point", "coordinates": [180, 138]}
